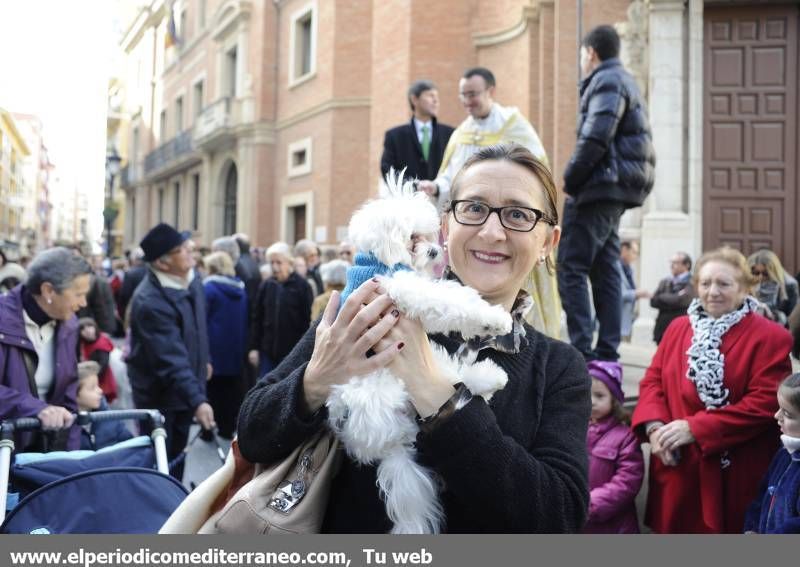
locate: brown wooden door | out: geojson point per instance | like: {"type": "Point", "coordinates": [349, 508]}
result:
{"type": "Point", "coordinates": [299, 214]}
{"type": "Point", "coordinates": [750, 145]}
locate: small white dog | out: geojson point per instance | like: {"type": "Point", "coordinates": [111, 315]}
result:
{"type": "Point", "coordinates": [372, 415]}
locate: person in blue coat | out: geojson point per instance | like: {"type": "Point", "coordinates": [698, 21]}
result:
{"type": "Point", "coordinates": [168, 363]}
{"type": "Point", "coordinates": [226, 318]}
{"type": "Point", "coordinates": [776, 510]}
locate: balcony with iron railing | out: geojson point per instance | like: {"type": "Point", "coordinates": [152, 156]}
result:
{"type": "Point", "coordinates": [215, 123]}
{"type": "Point", "coordinates": [169, 153]}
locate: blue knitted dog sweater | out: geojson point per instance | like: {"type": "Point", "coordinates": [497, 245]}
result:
{"type": "Point", "coordinates": [365, 267]}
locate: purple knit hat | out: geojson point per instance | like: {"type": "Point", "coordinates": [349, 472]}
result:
{"type": "Point", "coordinates": [610, 374]}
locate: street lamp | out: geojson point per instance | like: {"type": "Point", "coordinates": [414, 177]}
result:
{"type": "Point", "coordinates": [110, 211]}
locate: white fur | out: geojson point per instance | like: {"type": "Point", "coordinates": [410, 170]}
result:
{"type": "Point", "coordinates": [373, 415]}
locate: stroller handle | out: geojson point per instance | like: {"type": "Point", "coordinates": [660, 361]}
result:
{"type": "Point", "coordinates": [20, 424]}
{"type": "Point", "coordinates": [9, 426]}
{"type": "Point", "coordinates": [153, 416]}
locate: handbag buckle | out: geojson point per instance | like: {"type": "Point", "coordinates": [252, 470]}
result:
{"type": "Point", "coordinates": [288, 495]}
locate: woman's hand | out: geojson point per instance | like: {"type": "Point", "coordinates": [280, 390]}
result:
{"type": "Point", "coordinates": [55, 417]}
{"type": "Point", "coordinates": [342, 343]}
{"type": "Point", "coordinates": [667, 457]}
{"type": "Point", "coordinates": [666, 441]}
{"type": "Point", "coordinates": [675, 434]}
{"type": "Point", "coordinates": [415, 365]}
{"type": "Point", "coordinates": [253, 358]}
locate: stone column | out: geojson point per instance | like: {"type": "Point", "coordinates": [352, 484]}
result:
{"type": "Point", "coordinates": [208, 200]}
{"type": "Point", "coordinates": [666, 223]}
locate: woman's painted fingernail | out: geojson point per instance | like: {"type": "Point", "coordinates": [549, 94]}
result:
{"type": "Point", "coordinates": [400, 346]}
{"type": "Point", "coordinates": [395, 312]}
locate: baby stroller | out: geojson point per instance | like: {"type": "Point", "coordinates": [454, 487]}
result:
{"type": "Point", "coordinates": [124, 488]}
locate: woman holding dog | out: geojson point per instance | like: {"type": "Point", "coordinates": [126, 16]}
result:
{"type": "Point", "coordinates": [516, 464]}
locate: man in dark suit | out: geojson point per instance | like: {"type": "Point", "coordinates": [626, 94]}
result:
{"type": "Point", "coordinates": [419, 145]}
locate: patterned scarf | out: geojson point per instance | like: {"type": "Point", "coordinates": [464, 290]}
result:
{"type": "Point", "coordinates": [511, 343]}
{"type": "Point", "coordinates": [706, 362]}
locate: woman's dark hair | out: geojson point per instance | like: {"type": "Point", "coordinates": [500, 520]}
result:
{"type": "Point", "coordinates": [522, 156]}
{"type": "Point", "coordinates": [791, 387]}
{"type": "Point", "coordinates": [58, 266]}
{"type": "Point", "coordinates": [604, 40]}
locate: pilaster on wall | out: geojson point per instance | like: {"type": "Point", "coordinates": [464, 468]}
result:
{"type": "Point", "coordinates": [667, 226]}
{"type": "Point", "coordinates": [391, 32]}
{"type": "Point", "coordinates": [545, 121]}
{"type": "Point", "coordinates": [565, 80]}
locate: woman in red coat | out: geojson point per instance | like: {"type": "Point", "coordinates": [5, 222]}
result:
{"type": "Point", "coordinates": [706, 403]}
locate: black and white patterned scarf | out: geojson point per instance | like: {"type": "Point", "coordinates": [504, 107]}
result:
{"type": "Point", "coordinates": [514, 341]}
{"type": "Point", "coordinates": [706, 362]}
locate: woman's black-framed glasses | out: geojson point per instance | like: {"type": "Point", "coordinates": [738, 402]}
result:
{"type": "Point", "coordinates": [512, 217]}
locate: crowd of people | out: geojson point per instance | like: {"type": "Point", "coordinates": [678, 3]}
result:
{"type": "Point", "coordinates": [252, 341]}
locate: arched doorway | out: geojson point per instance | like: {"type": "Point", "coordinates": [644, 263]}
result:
{"type": "Point", "coordinates": [229, 201]}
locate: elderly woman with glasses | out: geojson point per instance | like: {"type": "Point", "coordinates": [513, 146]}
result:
{"type": "Point", "coordinates": [515, 464]}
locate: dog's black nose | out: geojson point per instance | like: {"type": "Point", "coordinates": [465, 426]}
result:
{"type": "Point", "coordinates": [433, 252]}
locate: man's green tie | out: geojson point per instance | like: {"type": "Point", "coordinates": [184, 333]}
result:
{"type": "Point", "coordinates": [426, 141]}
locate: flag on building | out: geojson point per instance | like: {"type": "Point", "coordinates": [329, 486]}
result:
{"type": "Point", "coordinates": [171, 38]}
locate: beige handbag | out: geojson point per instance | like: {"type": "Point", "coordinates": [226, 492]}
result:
{"type": "Point", "coordinates": [289, 497]}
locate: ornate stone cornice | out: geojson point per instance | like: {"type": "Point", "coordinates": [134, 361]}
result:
{"type": "Point", "coordinates": [229, 15]}
{"type": "Point", "coordinates": [529, 14]}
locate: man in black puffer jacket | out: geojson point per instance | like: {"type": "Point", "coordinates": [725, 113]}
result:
{"type": "Point", "coordinates": [612, 169]}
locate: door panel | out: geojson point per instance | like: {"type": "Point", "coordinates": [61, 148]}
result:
{"type": "Point", "coordinates": [750, 145]}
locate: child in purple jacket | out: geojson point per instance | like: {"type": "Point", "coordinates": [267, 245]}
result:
{"type": "Point", "coordinates": [616, 466]}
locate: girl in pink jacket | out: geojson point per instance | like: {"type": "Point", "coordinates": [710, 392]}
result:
{"type": "Point", "coordinates": [616, 466]}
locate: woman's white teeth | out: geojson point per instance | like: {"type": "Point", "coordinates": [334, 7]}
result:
{"type": "Point", "coordinates": [488, 257]}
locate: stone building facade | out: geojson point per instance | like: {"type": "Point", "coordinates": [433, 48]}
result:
{"type": "Point", "coordinates": [14, 186]}
{"type": "Point", "coordinates": [283, 137]}
{"type": "Point", "coordinates": [268, 117]}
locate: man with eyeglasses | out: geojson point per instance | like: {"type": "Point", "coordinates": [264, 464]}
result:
{"type": "Point", "coordinates": [168, 364]}
{"type": "Point", "coordinates": [418, 145]}
{"type": "Point", "coordinates": [612, 169]}
{"type": "Point", "coordinates": [488, 124]}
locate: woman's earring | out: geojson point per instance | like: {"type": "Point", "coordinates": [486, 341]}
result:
{"type": "Point", "coordinates": [49, 301]}
{"type": "Point", "coordinates": [444, 245]}
{"type": "Point", "coordinates": [542, 259]}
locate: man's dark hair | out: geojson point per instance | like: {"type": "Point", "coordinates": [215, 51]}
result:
{"type": "Point", "coordinates": [487, 75]}
{"type": "Point", "coordinates": [417, 88]}
{"type": "Point", "coordinates": [626, 244]}
{"type": "Point", "coordinates": [604, 40]}
{"type": "Point", "coordinates": [686, 259]}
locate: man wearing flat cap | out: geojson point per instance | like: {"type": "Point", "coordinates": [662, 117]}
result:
{"type": "Point", "coordinates": [168, 364]}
